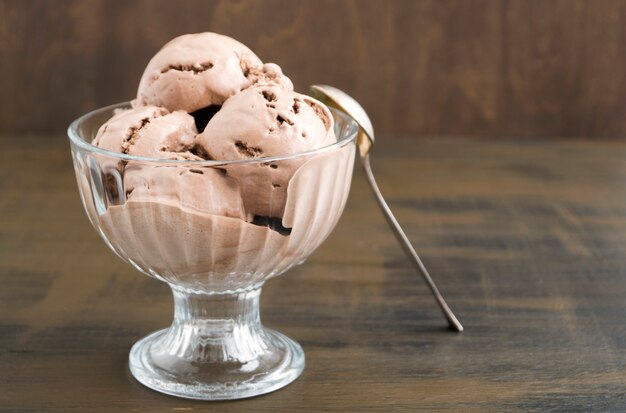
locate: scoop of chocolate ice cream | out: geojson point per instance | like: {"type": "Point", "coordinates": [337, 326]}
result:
{"type": "Point", "coordinates": [149, 131]}
{"type": "Point", "coordinates": [195, 71]}
{"type": "Point", "coordinates": [266, 121]}
{"type": "Point", "coordinates": [152, 132]}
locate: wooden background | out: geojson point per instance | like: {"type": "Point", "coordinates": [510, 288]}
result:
{"type": "Point", "coordinates": [483, 68]}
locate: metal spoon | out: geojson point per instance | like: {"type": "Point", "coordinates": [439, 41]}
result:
{"type": "Point", "coordinates": [336, 98]}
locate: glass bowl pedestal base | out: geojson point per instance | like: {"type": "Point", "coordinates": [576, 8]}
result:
{"type": "Point", "coordinates": [216, 349]}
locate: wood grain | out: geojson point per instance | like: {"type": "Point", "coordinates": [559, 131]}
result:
{"type": "Point", "coordinates": [482, 68]}
{"type": "Point", "coordinates": [525, 239]}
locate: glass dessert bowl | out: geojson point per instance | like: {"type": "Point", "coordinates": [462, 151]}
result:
{"type": "Point", "coordinates": [184, 222]}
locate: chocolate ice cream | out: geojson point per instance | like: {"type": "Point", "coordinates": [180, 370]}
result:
{"type": "Point", "coordinates": [266, 121]}
{"type": "Point", "coordinates": [208, 97]}
{"type": "Point", "coordinates": [194, 71]}
{"type": "Point", "coordinates": [149, 131]}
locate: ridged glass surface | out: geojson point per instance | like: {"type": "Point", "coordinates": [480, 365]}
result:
{"type": "Point", "coordinates": [185, 223]}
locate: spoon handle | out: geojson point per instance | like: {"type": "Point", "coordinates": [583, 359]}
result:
{"type": "Point", "coordinates": [407, 247]}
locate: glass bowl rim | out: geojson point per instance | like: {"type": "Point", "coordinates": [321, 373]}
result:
{"type": "Point", "coordinates": [75, 139]}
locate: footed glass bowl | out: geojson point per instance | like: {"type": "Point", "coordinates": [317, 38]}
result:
{"type": "Point", "coordinates": [214, 257]}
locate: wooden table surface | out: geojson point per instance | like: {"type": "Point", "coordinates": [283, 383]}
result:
{"type": "Point", "coordinates": [527, 241]}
